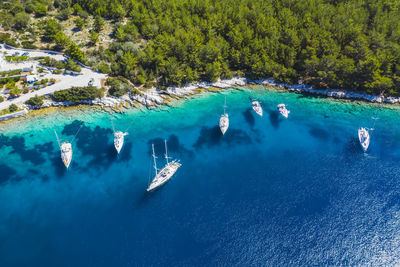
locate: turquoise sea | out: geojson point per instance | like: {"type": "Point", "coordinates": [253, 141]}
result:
{"type": "Point", "coordinates": [271, 192]}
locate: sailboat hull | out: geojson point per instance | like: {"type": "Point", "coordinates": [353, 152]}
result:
{"type": "Point", "coordinates": [283, 111]}
{"type": "Point", "coordinates": [257, 108]}
{"type": "Point", "coordinates": [119, 140]}
{"type": "Point", "coordinates": [364, 138]}
{"type": "Point", "coordinates": [164, 175]}
{"type": "Point", "coordinates": [66, 154]}
{"type": "Point", "coordinates": [224, 123]}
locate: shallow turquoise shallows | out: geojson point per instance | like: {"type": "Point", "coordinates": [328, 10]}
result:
{"type": "Point", "coordinates": [271, 192]}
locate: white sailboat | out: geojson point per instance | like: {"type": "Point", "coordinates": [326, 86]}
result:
{"type": "Point", "coordinates": [118, 138]}
{"type": "Point", "coordinates": [363, 133]}
{"type": "Point", "coordinates": [364, 138]}
{"type": "Point", "coordinates": [257, 107]}
{"type": "Point", "coordinates": [224, 121]}
{"type": "Point", "coordinates": [165, 173]}
{"type": "Point", "coordinates": [284, 112]}
{"type": "Point", "coordinates": [66, 151]}
{"type": "Point", "coordinates": [66, 148]}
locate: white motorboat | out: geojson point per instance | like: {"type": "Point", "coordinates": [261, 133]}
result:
{"type": "Point", "coordinates": [282, 109]}
{"type": "Point", "coordinates": [165, 173]}
{"type": "Point", "coordinates": [364, 138]}
{"type": "Point", "coordinates": [119, 140]}
{"type": "Point", "coordinates": [257, 107]}
{"type": "Point", "coordinates": [224, 121]}
{"type": "Point", "coordinates": [66, 153]}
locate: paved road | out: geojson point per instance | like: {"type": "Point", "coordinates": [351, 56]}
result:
{"type": "Point", "coordinates": [63, 82]}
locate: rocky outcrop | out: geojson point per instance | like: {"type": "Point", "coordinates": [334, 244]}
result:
{"type": "Point", "coordinates": [154, 96]}
{"type": "Point", "coordinates": [335, 93]}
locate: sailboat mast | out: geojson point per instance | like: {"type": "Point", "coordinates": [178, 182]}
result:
{"type": "Point", "coordinates": [154, 157]}
{"type": "Point", "coordinates": [225, 106]}
{"type": "Point", "coordinates": [166, 151]}
{"type": "Point", "coordinates": [112, 123]}
{"type": "Point", "coordinates": [58, 139]}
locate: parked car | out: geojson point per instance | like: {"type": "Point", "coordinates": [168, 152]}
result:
{"type": "Point", "coordinates": [25, 54]}
{"type": "Point", "coordinates": [15, 54]}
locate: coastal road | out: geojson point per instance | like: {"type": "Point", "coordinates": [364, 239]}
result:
{"type": "Point", "coordinates": [6, 66]}
{"type": "Point", "coordinates": [63, 82]}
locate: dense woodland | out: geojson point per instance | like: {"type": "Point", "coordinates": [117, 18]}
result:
{"type": "Point", "coordinates": [327, 43]}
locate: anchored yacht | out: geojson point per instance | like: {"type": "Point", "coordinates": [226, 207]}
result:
{"type": "Point", "coordinates": [66, 148]}
{"type": "Point", "coordinates": [119, 140]}
{"type": "Point", "coordinates": [257, 107]}
{"type": "Point", "coordinates": [282, 109]}
{"type": "Point", "coordinates": [66, 153]}
{"type": "Point", "coordinates": [224, 121]}
{"type": "Point", "coordinates": [166, 173]}
{"type": "Point", "coordinates": [118, 137]}
{"type": "Point", "coordinates": [363, 137]}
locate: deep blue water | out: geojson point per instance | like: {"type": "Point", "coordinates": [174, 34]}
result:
{"type": "Point", "coordinates": [270, 192]}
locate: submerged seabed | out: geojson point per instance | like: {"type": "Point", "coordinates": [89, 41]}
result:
{"type": "Point", "coordinates": [270, 192]}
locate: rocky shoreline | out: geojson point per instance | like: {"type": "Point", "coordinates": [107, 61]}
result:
{"type": "Point", "coordinates": [154, 97]}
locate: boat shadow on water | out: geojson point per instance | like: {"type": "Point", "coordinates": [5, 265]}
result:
{"type": "Point", "coordinates": [7, 174]}
{"type": "Point", "coordinates": [34, 155]}
{"type": "Point", "coordinates": [274, 118]}
{"type": "Point", "coordinates": [147, 196]}
{"type": "Point", "coordinates": [249, 117]}
{"type": "Point", "coordinates": [212, 136]}
{"type": "Point", "coordinates": [174, 146]}
{"type": "Point", "coordinates": [352, 148]}
{"type": "Point", "coordinates": [59, 167]}
{"type": "Point", "coordinates": [319, 133]}
{"type": "Point", "coordinates": [87, 142]}
{"type": "Point", "coordinates": [124, 155]}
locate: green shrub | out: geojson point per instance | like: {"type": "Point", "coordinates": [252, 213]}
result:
{"type": "Point", "coordinates": [69, 65]}
{"type": "Point", "coordinates": [44, 81]}
{"type": "Point", "coordinates": [77, 94]}
{"type": "Point", "coordinates": [77, 8]}
{"type": "Point", "coordinates": [83, 14]}
{"type": "Point", "coordinates": [21, 21]}
{"type": "Point", "coordinates": [79, 23]}
{"type": "Point", "coordinates": [35, 101]}
{"type": "Point", "coordinates": [17, 58]}
{"type": "Point", "coordinates": [15, 92]}
{"type": "Point", "coordinates": [103, 68]}
{"type": "Point", "coordinates": [64, 14]}
{"type": "Point", "coordinates": [40, 10]}
{"type": "Point", "coordinates": [28, 45]}
{"type": "Point", "coordinates": [13, 108]}
{"type": "Point", "coordinates": [118, 86]}
{"type": "Point", "coordinates": [1, 99]}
